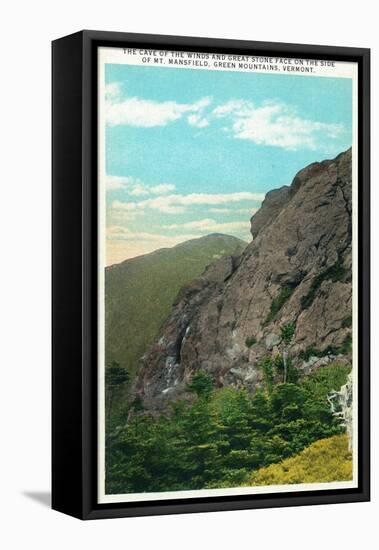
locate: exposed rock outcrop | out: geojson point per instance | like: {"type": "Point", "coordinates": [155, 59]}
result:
{"type": "Point", "coordinates": [296, 270]}
{"type": "Point", "coordinates": [271, 206]}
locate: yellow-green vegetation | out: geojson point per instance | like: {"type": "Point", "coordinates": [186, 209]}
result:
{"type": "Point", "coordinates": [334, 273]}
{"type": "Point", "coordinates": [324, 461]}
{"type": "Point", "coordinates": [278, 302]}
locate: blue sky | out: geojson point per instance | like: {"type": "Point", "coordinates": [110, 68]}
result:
{"type": "Point", "coordinates": [191, 152]}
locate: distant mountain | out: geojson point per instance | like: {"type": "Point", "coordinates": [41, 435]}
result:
{"type": "Point", "coordinates": [140, 292]}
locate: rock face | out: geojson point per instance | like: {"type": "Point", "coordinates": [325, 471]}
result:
{"type": "Point", "coordinates": [296, 270]}
{"type": "Point", "coordinates": [271, 206]}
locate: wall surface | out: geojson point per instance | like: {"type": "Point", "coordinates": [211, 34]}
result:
{"type": "Point", "coordinates": [27, 29]}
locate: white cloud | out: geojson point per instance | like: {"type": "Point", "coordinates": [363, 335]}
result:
{"type": "Point", "coordinates": [270, 123]}
{"type": "Point", "coordinates": [276, 124]}
{"type": "Point", "coordinates": [129, 184]}
{"type": "Point", "coordinates": [207, 225]}
{"type": "Point", "coordinates": [138, 189]}
{"type": "Point", "coordinates": [238, 107]}
{"type": "Point", "coordinates": [145, 113]}
{"type": "Point", "coordinates": [173, 204]}
{"type": "Point", "coordinates": [123, 217]}
{"type": "Point", "coordinates": [198, 121]}
{"type": "Point", "coordinates": [166, 209]}
{"type": "Point", "coordinates": [197, 224]}
{"type": "Point", "coordinates": [135, 187]}
{"type": "Point", "coordinates": [112, 91]}
{"type": "Point", "coordinates": [114, 183]}
{"type": "Point", "coordinates": [249, 211]}
{"type": "Point", "coordinates": [123, 233]}
{"type": "Point", "coordinates": [162, 188]}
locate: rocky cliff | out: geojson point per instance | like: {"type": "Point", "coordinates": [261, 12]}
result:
{"type": "Point", "coordinates": [296, 270]}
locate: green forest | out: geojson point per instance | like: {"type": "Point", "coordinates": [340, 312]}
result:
{"type": "Point", "coordinates": [214, 438]}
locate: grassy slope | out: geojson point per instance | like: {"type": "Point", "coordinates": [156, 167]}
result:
{"type": "Point", "coordinates": [325, 460]}
{"type": "Point", "coordinates": [139, 292]}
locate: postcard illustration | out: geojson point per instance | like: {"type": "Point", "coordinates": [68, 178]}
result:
{"type": "Point", "coordinates": [227, 275]}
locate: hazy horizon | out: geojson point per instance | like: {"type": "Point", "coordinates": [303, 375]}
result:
{"type": "Point", "coordinates": [178, 244]}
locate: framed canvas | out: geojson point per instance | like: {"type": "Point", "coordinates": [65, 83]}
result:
{"type": "Point", "coordinates": [210, 275]}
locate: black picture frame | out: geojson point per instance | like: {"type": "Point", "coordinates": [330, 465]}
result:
{"type": "Point", "coordinates": [74, 271]}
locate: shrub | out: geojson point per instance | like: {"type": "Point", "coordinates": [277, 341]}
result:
{"type": "Point", "coordinates": [265, 365]}
{"type": "Point", "coordinates": [347, 322]}
{"type": "Point", "coordinates": [344, 349]}
{"type": "Point", "coordinates": [116, 378]}
{"type": "Point", "coordinates": [347, 345]}
{"type": "Point", "coordinates": [313, 352]}
{"type": "Point", "coordinates": [250, 341]}
{"type": "Point", "coordinates": [278, 302]}
{"type": "Point", "coordinates": [325, 380]}
{"type": "Point", "coordinates": [334, 273]}
{"type": "Point", "coordinates": [115, 375]}
{"type": "Point", "coordinates": [201, 384]}
{"type": "Point", "coordinates": [287, 332]}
